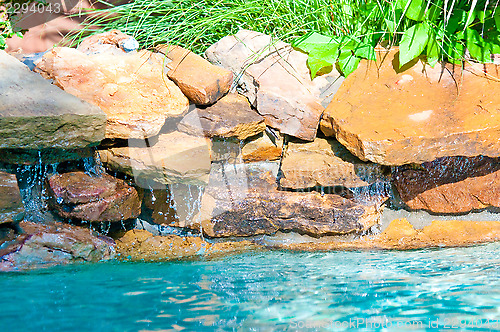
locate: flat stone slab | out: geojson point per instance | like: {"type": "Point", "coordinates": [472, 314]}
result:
{"type": "Point", "coordinates": [417, 115]}
{"type": "Point", "coordinates": [131, 88]}
{"type": "Point", "coordinates": [174, 158]}
{"type": "Point", "coordinates": [326, 163]}
{"type": "Point", "coordinates": [11, 204]}
{"type": "Point", "coordinates": [35, 114]}
{"type": "Point", "coordinates": [231, 116]}
{"type": "Point", "coordinates": [243, 200]}
{"type": "Point", "coordinates": [276, 80]}
{"type": "Point", "coordinates": [202, 82]}
{"type": "Point", "coordinates": [450, 184]}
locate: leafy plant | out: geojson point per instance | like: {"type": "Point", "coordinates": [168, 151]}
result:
{"type": "Point", "coordinates": [6, 30]}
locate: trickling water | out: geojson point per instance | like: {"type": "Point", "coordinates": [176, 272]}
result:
{"type": "Point", "coordinates": [93, 165]}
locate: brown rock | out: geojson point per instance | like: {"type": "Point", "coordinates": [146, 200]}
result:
{"type": "Point", "coordinates": [230, 117]}
{"type": "Point", "coordinates": [131, 89]}
{"type": "Point", "coordinates": [37, 115]}
{"type": "Point", "coordinates": [242, 200]}
{"type": "Point", "coordinates": [276, 80]}
{"type": "Point", "coordinates": [113, 40]}
{"type": "Point", "coordinates": [11, 204]}
{"type": "Point", "coordinates": [417, 114]}
{"type": "Point", "coordinates": [450, 184]}
{"type": "Point", "coordinates": [202, 82]}
{"type": "Point", "coordinates": [142, 245]}
{"type": "Point", "coordinates": [175, 158]}
{"type": "Point", "coordinates": [326, 163]}
{"type": "Point", "coordinates": [261, 148]}
{"type": "Point", "coordinates": [77, 195]}
{"type": "Point", "coordinates": [401, 235]}
{"type": "Point", "coordinates": [48, 245]}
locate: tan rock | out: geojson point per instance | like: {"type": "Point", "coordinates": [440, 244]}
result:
{"type": "Point", "coordinates": [229, 117]}
{"type": "Point", "coordinates": [11, 204]}
{"type": "Point", "coordinates": [142, 245]}
{"type": "Point", "coordinates": [202, 82]}
{"type": "Point", "coordinates": [416, 114]}
{"type": "Point", "coordinates": [113, 40]}
{"type": "Point", "coordinates": [77, 195]}
{"type": "Point", "coordinates": [261, 148]}
{"type": "Point", "coordinates": [276, 80]}
{"type": "Point", "coordinates": [175, 158]}
{"type": "Point", "coordinates": [37, 115]}
{"type": "Point", "coordinates": [326, 163]}
{"type": "Point", "coordinates": [401, 235]}
{"type": "Point", "coordinates": [243, 200]}
{"type": "Point", "coordinates": [132, 89]}
{"type": "Point", "coordinates": [450, 184]}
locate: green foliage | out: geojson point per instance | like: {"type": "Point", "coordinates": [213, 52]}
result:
{"type": "Point", "coordinates": [6, 31]}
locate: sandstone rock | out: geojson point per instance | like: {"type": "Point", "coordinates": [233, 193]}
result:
{"type": "Point", "coordinates": [142, 245]}
{"type": "Point", "coordinates": [242, 200]}
{"type": "Point", "coordinates": [401, 235]}
{"type": "Point", "coordinates": [276, 80]}
{"type": "Point", "coordinates": [417, 114]}
{"type": "Point", "coordinates": [261, 148]}
{"type": "Point", "coordinates": [202, 82]}
{"type": "Point", "coordinates": [230, 117]}
{"type": "Point", "coordinates": [35, 114]}
{"type": "Point", "coordinates": [175, 158]}
{"type": "Point", "coordinates": [114, 41]}
{"type": "Point", "coordinates": [131, 88]}
{"type": "Point", "coordinates": [450, 184]}
{"type": "Point", "coordinates": [48, 245]}
{"type": "Point", "coordinates": [11, 204]}
{"type": "Point", "coordinates": [46, 156]}
{"type": "Point", "coordinates": [77, 195]}
{"type": "Point", "coordinates": [326, 163]}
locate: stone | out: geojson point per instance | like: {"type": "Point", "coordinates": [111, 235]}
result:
{"type": "Point", "coordinates": [131, 88]}
{"type": "Point", "coordinates": [37, 115]}
{"type": "Point", "coordinates": [243, 200]}
{"type": "Point", "coordinates": [11, 203]}
{"type": "Point", "coordinates": [401, 235]}
{"type": "Point", "coordinates": [263, 147]}
{"type": "Point", "coordinates": [229, 117]}
{"type": "Point", "coordinates": [46, 156]}
{"type": "Point", "coordinates": [138, 245]}
{"type": "Point", "coordinates": [326, 163]}
{"type": "Point", "coordinates": [43, 246]}
{"type": "Point", "coordinates": [450, 184]}
{"type": "Point", "coordinates": [109, 41]}
{"type": "Point", "coordinates": [276, 80]}
{"type": "Point", "coordinates": [175, 158]}
{"type": "Point", "coordinates": [416, 114]}
{"type": "Point", "coordinates": [77, 195]}
{"type": "Point", "coordinates": [202, 82]}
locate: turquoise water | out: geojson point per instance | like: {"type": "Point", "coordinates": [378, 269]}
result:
{"type": "Point", "coordinates": [264, 292]}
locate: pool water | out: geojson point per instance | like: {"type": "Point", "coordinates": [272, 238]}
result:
{"type": "Point", "coordinates": [270, 291]}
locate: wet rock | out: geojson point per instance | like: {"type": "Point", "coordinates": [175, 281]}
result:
{"type": "Point", "coordinates": [48, 245]}
{"type": "Point", "coordinates": [413, 115]}
{"type": "Point", "coordinates": [262, 147]}
{"type": "Point", "coordinates": [109, 41]}
{"type": "Point", "coordinates": [142, 245]}
{"type": "Point", "coordinates": [401, 235]}
{"type": "Point", "coordinates": [11, 204]}
{"type": "Point", "coordinates": [242, 200]}
{"type": "Point", "coordinates": [36, 115]}
{"type": "Point", "coordinates": [174, 158]}
{"type": "Point", "coordinates": [132, 89]}
{"type": "Point", "coordinates": [326, 163]}
{"type": "Point", "coordinates": [229, 117]}
{"type": "Point", "coordinates": [77, 195]}
{"type": "Point", "coordinates": [202, 82]}
{"type": "Point", "coordinates": [450, 184]}
{"type": "Point", "coordinates": [276, 80]}
{"type": "Point", "coordinates": [46, 156]}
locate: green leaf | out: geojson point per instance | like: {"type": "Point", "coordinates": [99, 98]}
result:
{"type": "Point", "coordinates": [432, 52]}
{"type": "Point", "coordinates": [477, 47]}
{"type": "Point", "coordinates": [415, 10]}
{"type": "Point", "coordinates": [413, 42]}
{"type": "Point", "coordinates": [315, 42]}
{"type": "Point", "coordinates": [315, 65]}
{"type": "Point", "coordinates": [366, 51]}
{"type": "Point", "coordinates": [391, 26]}
{"type": "Point", "coordinates": [455, 51]}
{"type": "Point", "coordinates": [348, 62]}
